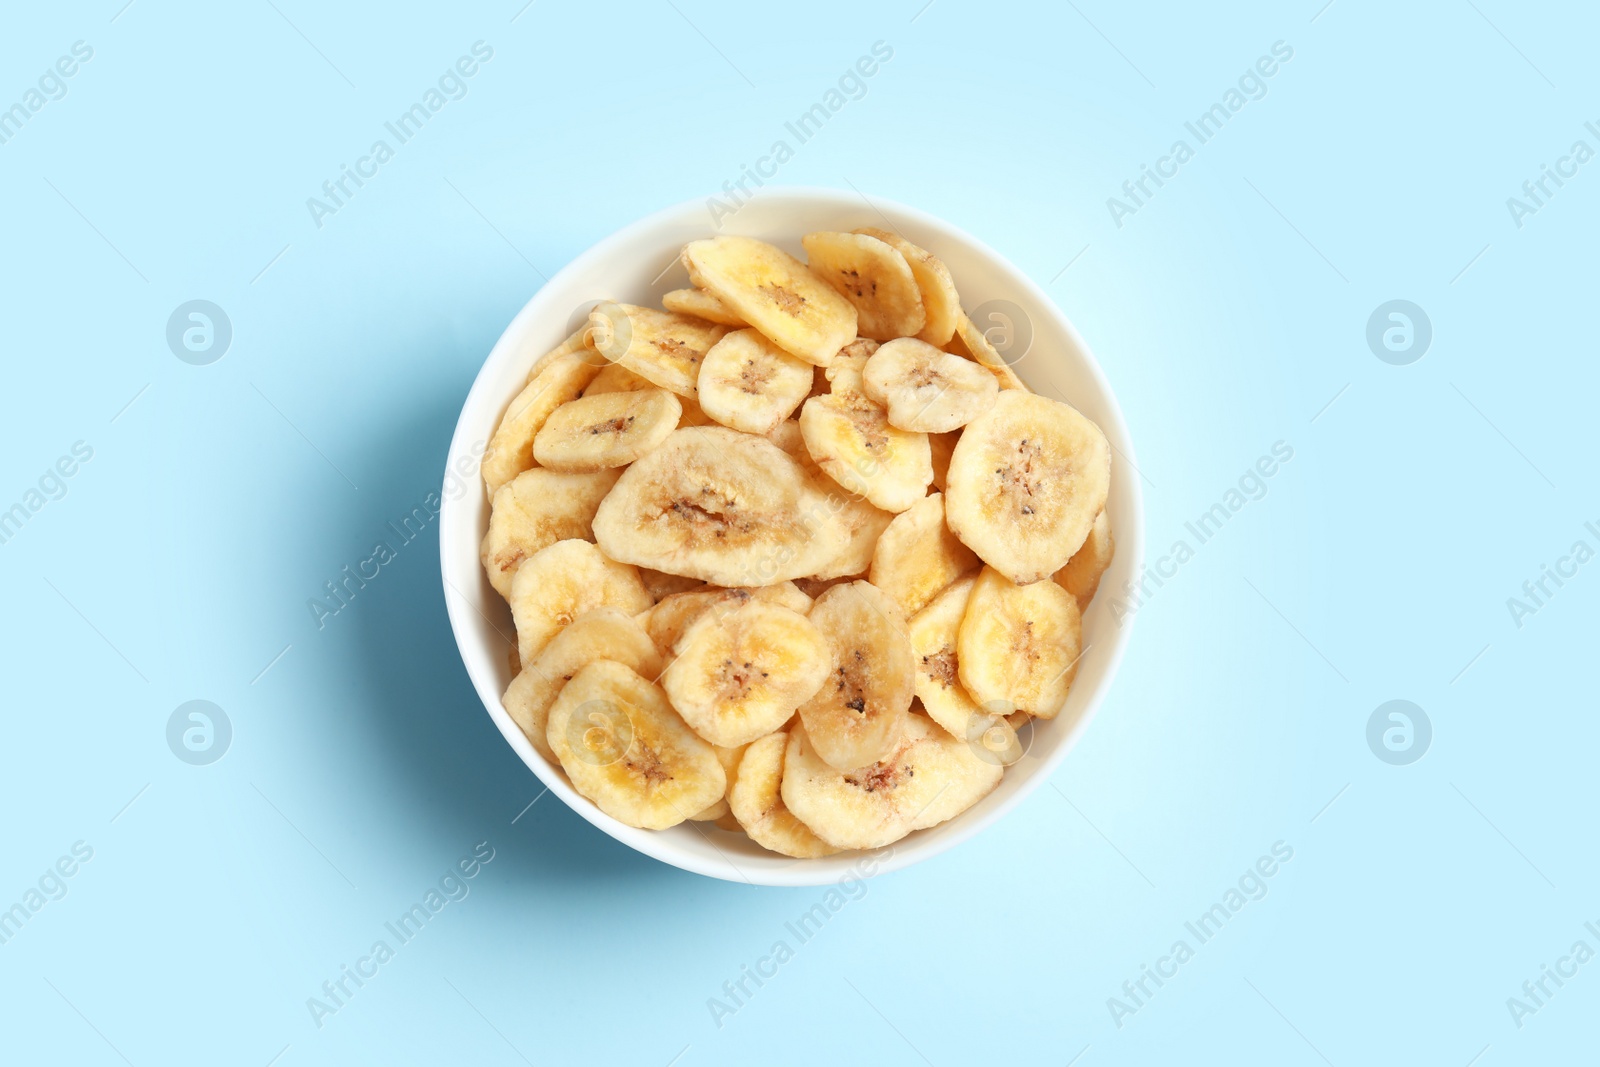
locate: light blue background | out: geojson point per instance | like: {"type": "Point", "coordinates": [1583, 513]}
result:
{"type": "Point", "coordinates": [1228, 313]}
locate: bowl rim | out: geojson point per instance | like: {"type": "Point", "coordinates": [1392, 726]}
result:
{"type": "Point", "coordinates": [659, 846]}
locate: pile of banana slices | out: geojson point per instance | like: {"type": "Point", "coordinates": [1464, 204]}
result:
{"type": "Point", "coordinates": [797, 554]}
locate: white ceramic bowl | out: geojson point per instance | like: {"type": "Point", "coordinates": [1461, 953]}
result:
{"type": "Point", "coordinates": [638, 264]}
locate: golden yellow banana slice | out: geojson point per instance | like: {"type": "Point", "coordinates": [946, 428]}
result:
{"type": "Point", "coordinates": [604, 633]}
{"type": "Point", "coordinates": [562, 581]}
{"type": "Point", "coordinates": [536, 509]}
{"type": "Point", "coordinates": [1019, 645]}
{"type": "Point", "coordinates": [624, 748]}
{"type": "Point", "coordinates": [857, 715]}
{"type": "Point", "coordinates": [918, 555]}
{"type": "Point", "coordinates": [926, 390]}
{"type": "Point", "coordinates": [874, 277]}
{"type": "Point", "coordinates": [1026, 481]}
{"type": "Point", "coordinates": [775, 293]}
{"type": "Point", "coordinates": [702, 305]}
{"type": "Point", "coordinates": [940, 302]}
{"type": "Point", "coordinates": [719, 505]}
{"type": "Point", "coordinates": [739, 675]}
{"type": "Point", "coordinates": [935, 637]}
{"type": "Point", "coordinates": [606, 430]}
{"type": "Point", "coordinates": [676, 613]}
{"type": "Point", "coordinates": [756, 800]}
{"type": "Point", "coordinates": [851, 440]}
{"type": "Point", "coordinates": [658, 345]}
{"type": "Point", "coordinates": [969, 341]}
{"type": "Point", "coordinates": [751, 384]}
{"type": "Point", "coordinates": [926, 778]}
{"type": "Point", "coordinates": [510, 449]}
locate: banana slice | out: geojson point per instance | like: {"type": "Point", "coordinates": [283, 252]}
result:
{"type": "Point", "coordinates": [624, 748]}
{"type": "Point", "coordinates": [874, 277]}
{"type": "Point", "coordinates": [856, 717]}
{"type": "Point", "coordinates": [658, 345]}
{"type": "Point", "coordinates": [739, 675]}
{"type": "Point", "coordinates": [660, 584]}
{"type": "Point", "coordinates": [702, 305]}
{"type": "Point", "coordinates": [787, 436]}
{"type": "Point", "coordinates": [756, 800]}
{"type": "Point", "coordinates": [927, 390]}
{"type": "Point", "coordinates": [751, 384]}
{"type": "Point", "coordinates": [935, 632]}
{"type": "Point", "coordinates": [578, 343]}
{"type": "Point", "coordinates": [941, 445]}
{"type": "Point", "coordinates": [969, 341]}
{"type": "Point", "coordinates": [815, 587]}
{"type": "Point", "coordinates": [562, 581]}
{"type": "Point", "coordinates": [1019, 645]}
{"type": "Point", "coordinates": [536, 509]}
{"type": "Point", "coordinates": [604, 633]}
{"type": "Point", "coordinates": [940, 303]}
{"type": "Point", "coordinates": [918, 555]}
{"type": "Point", "coordinates": [615, 378]}
{"type": "Point", "coordinates": [851, 440]}
{"type": "Point", "coordinates": [608, 430]}
{"type": "Point", "coordinates": [844, 374]}
{"type": "Point", "coordinates": [925, 779]}
{"type": "Point", "coordinates": [1081, 576]}
{"type": "Point", "coordinates": [510, 449]}
{"type": "Point", "coordinates": [857, 525]}
{"type": "Point", "coordinates": [719, 505]}
{"type": "Point", "coordinates": [716, 811]}
{"type": "Point", "coordinates": [1026, 481]}
{"type": "Point", "coordinates": [669, 619]}
{"type": "Point", "coordinates": [775, 293]}
{"type": "Point", "coordinates": [719, 812]}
